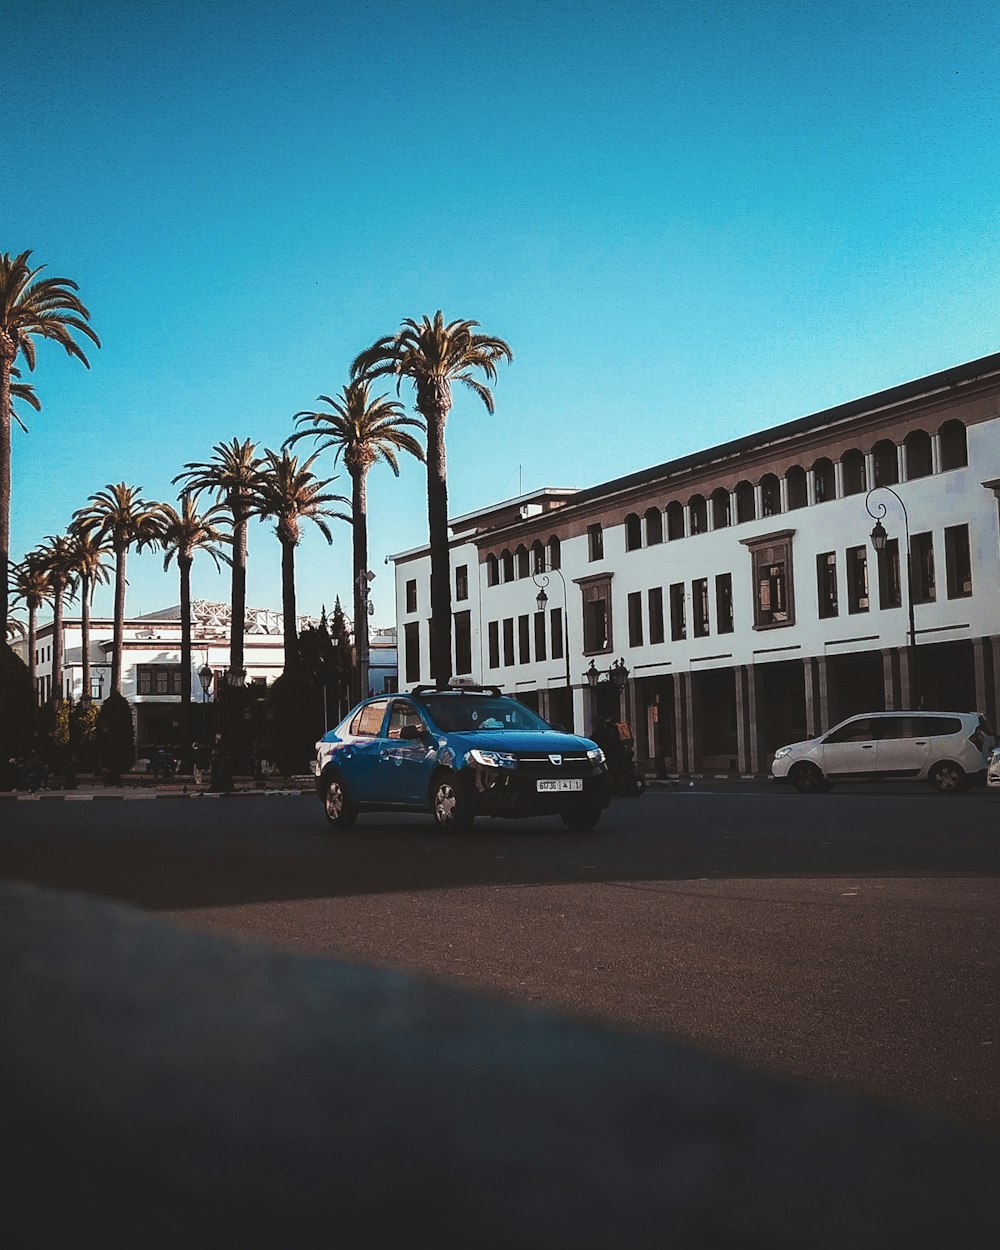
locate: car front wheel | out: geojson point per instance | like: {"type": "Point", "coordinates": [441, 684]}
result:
{"type": "Point", "coordinates": [947, 777]}
{"type": "Point", "coordinates": [449, 808]}
{"type": "Point", "coordinates": [807, 779]}
{"type": "Point", "coordinates": [338, 811]}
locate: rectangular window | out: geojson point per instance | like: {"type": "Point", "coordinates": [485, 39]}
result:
{"type": "Point", "coordinates": [158, 679]}
{"type": "Point", "coordinates": [635, 619]}
{"type": "Point", "coordinates": [462, 582]}
{"type": "Point", "coordinates": [678, 618]}
{"type": "Point", "coordinates": [724, 603]}
{"type": "Point", "coordinates": [508, 641]}
{"type": "Point", "coordinates": [524, 640]}
{"type": "Point", "coordinates": [857, 579]}
{"type": "Point", "coordinates": [556, 633]}
{"type": "Point", "coordinates": [411, 596]}
{"type": "Point", "coordinates": [771, 557]}
{"type": "Point", "coordinates": [772, 594]}
{"type": "Point", "coordinates": [699, 607]}
{"type": "Point", "coordinates": [411, 647]}
{"type": "Point", "coordinates": [540, 640]}
{"type": "Point", "coordinates": [923, 589]}
{"type": "Point", "coordinates": [826, 584]}
{"type": "Point", "coordinates": [595, 542]}
{"type": "Point", "coordinates": [958, 562]}
{"type": "Point", "coordinates": [463, 643]}
{"type": "Point", "coordinates": [655, 600]}
{"type": "Point", "coordinates": [493, 644]}
{"type": "Point", "coordinates": [890, 591]}
{"type": "Point", "coordinates": [596, 616]}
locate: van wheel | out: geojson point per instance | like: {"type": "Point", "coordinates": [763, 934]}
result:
{"type": "Point", "coordinates": [807, 779]}
{"type": "Point", "coordinates": [338, 811]}
{"type": "Point", "coordinates": [947, 777]}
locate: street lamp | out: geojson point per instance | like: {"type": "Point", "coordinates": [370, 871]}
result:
{"type": "Point", "coordinates": [541, 579]}
{"type": "Point", "coordinates": [205, 676]}
{"type": "Point", "coordinates": [879, 538]}
{"type": "Point", "coordinates": [616, 676]}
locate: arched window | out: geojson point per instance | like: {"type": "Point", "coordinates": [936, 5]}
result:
{"type": "Point", "coordinates": [675, 520]}
{"type": "Point", "coordinates": [953, 445]}
{"type": "Point", "coordinates": [770, 495]}
{"type": "Point", "coordinates": [699, 514]}
{"type": "Point", "coordinates": [633, 532]}
{"type": "Point", "coordinates": [852, 465]}
{"type": "Point", "coordinates": [824, 480]}
{"type": "Point", "coordinates": [521, 561]}
{"type": "Point", "coordinates": [886, 463]}
{"type": "Point", "coordinates": [654, 526]}
{"type": "Point", "coordinates": [795, 482]}
{"type": "Point", "coordinates": [917, 450]}
{"type": "Point", "coordinates": [506, 566]}
{"type": "Point", "coordinates": [537, 556]}
{"type": "Point", "coordinates": [721, 517]}
{"type": "Point", "coordinates": [746, 509]}
{"type": "Point", "coordinates": [555, 554]}
{"type": "Point", "coordinates": [492, 570]}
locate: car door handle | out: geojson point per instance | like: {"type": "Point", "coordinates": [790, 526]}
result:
{"type": "Point", "coordinates": [868, 746]}
{"type": "Point", "coordinates": [920, 742]}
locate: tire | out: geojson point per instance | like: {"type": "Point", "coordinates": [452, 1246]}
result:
{"type": "Point", "coordinates": [336, 806]}
{"type": "Point", "coordinates": [947, 777]}
{"type": "Point", "coordinates": [581, 819]}
{"type": "Point", "coordinates": [449, 809]}
{"type": "Point", "coordinates": [807, 779]}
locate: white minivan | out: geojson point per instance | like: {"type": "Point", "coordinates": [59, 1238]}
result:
{"type": "Point", "coordinates": [948, 749]}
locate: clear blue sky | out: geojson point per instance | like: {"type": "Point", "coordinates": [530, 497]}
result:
{"type": "Point", "coordinates": [690, 221]}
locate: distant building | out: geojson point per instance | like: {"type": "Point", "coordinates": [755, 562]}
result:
{"type": "Point", "coordinates": [382, 670]}
{"type": "Point", "coordinates": [740, 585]}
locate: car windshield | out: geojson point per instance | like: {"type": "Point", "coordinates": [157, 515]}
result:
{"type": "Point", "coordinates": [469, 713]}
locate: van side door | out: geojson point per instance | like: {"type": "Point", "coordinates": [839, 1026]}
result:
{"type": "Point", "coordinates": [849, 749]}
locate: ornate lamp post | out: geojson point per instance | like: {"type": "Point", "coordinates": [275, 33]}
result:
{"type": "Point", "coordinates": [541, 579]}
{"type": "Point", "coordinates": [879, 539]}
{"type": "Point", "coordinates": [616, 676]}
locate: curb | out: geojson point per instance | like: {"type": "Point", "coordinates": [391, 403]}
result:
{"type": "Point", "coordinates": [144, 796]}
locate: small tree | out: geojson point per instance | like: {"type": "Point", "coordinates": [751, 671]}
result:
{"type": "Point", "coordinates": [17, 714]}
{"type": "Point", "coordinates": [115, 737]}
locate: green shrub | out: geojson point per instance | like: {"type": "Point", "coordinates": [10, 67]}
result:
{"type": "Point", "coordinates": [17, 713]}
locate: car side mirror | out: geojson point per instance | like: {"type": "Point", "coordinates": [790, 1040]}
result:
{"type": "Point", "coordinates": [412, 733]}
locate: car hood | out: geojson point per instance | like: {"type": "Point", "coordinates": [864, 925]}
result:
{"type": "Point", "coordinates": [515, 740]}
{"type": "Point", "coordinates": [806, 745]}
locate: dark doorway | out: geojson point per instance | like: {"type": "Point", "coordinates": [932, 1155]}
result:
{"type": "Point", "coordinates": [857, 685]}
{"type": "Point", "coordinates": [781, 704]}
{"type": "Point", "coordinates": [716, 702]}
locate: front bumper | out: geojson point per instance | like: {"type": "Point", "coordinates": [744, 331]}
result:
{"type": "Point", "coordinates": [514, 792]}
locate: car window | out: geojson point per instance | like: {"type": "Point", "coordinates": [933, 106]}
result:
{"type": "Point", "coordinates": [893, 728]}
{"type": "Point", "coordinates": [470, 713]}
{"type": "Point", "coordinates": [403, 713]}
{"type": "Point", "coordinates": [368, 722]}
{"type": "Point", "coordinates": [864, 730]}
{"type": "Point", "coordinates": [939, 726]}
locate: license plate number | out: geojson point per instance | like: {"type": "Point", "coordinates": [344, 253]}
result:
{"type": "Point", "coordinates": [556, 787]}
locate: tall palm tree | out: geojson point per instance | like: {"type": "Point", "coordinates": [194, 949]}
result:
{"type": "Point", "coordinates": [290, 493]}
{"type": "Point", "coordinates": [120, 514]}
{"type": "Point", "coordinates": [56, 553]}
{"type": "Point", "coordinates": [182, 535]}
{"type": "Point", "coordinates": [33, 588]}
{"type": "Point", "coordinates": [30, 308]}
{"type": "Point", "coordinates": [362, 432]}
{"type": "Point", "coordinates": [433, 355]}
{"type": "Point", "coordinates": [88, 547]}
{"type": "Point", "coordinates": [232, 478]}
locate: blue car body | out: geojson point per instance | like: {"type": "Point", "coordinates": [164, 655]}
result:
{"type": "Point", "coordinates": [458, 753]}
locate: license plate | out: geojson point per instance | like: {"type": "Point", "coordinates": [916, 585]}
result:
{"type": "Point", "coordinates": [555, 787]}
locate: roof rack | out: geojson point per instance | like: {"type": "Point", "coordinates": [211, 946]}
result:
{"type": "Point", "coordinates": [465, 688]}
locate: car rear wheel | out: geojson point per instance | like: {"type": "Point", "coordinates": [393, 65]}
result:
{"type": "Point", "coordinates": [449, 808]}
{"type": "Point", "coordinates": [581, 819]}
{"type": "Point", "coordinates": [807, 779]}
{"type": "Point", "coordinates": [947, 777]}
{"type": "Point", "coordinates": [336, 807]}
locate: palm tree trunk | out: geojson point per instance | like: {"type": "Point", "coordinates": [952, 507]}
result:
{"type": "Point", "coordinates": [6, 364]}
{"type": "Point", "coordinates": [85, 593]}
{"type": "Point", "coordinates": [288, 604]}
{"type": "Point", "coordinates": [184, 566]}
{"type": "Point", "coordinates": [239, 597]}
{"type": "Point", "coordinates": [437, 533]}
{"type": "Point", "coordinates": [32, 646]}
{"type": "Point", "coordinates": [359, 502]}
{"type": "Point", "coordinates": [56, 692]}
{"type": "Point", "coordinates": [118, 645]}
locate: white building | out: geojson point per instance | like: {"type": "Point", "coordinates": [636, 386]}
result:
{"type": "Point", "coordinates": [740, 585]}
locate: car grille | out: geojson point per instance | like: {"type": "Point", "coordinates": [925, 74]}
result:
{"type": "Point", "coordinates": [574, 764]}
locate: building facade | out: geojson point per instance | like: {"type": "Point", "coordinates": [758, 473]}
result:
{"type": "Point", "coordinates": [740, 585]}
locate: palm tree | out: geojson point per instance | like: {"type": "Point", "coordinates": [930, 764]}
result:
{"type": "Point", "coordinates": [290, 493]}
{"type": "Point", "coordinates": [88, 547]}
{"type": "Point", "coordinates": [120, 514]}
{"type": "Point", "coordinates": [362, 431]}
{"type": "Point", "coordinates": [433, 355]}
{"type": "Point", "coordinates": [182, 535]}
{"type": "Point", "coordinates": [232, 477]}
{"type": "Point", "coordinates": [56, 553]}
{"type": "Point", "coordinates": [30, 308]}
{"type": "Point", "coordinates": [34, 589]}
{"type": "Point", "coordinates": [24, 391]}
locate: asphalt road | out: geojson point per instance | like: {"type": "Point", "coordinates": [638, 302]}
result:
{"type": "Point", "coordinates": [851, 939]}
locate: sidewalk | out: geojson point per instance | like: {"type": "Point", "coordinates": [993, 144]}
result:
{"type": "Point", "coordinates": [139, 789]}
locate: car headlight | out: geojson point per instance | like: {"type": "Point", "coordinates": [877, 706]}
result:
{"type": "Point", "coordinates": [596, 754]}
{"type": "Point", "coordinates": [782, 752]}
{"type": "Point", "coordinates": [492, 759]}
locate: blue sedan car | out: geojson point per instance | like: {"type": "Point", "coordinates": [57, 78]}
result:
{"type": "Point", "coordinates": [458, 754]}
